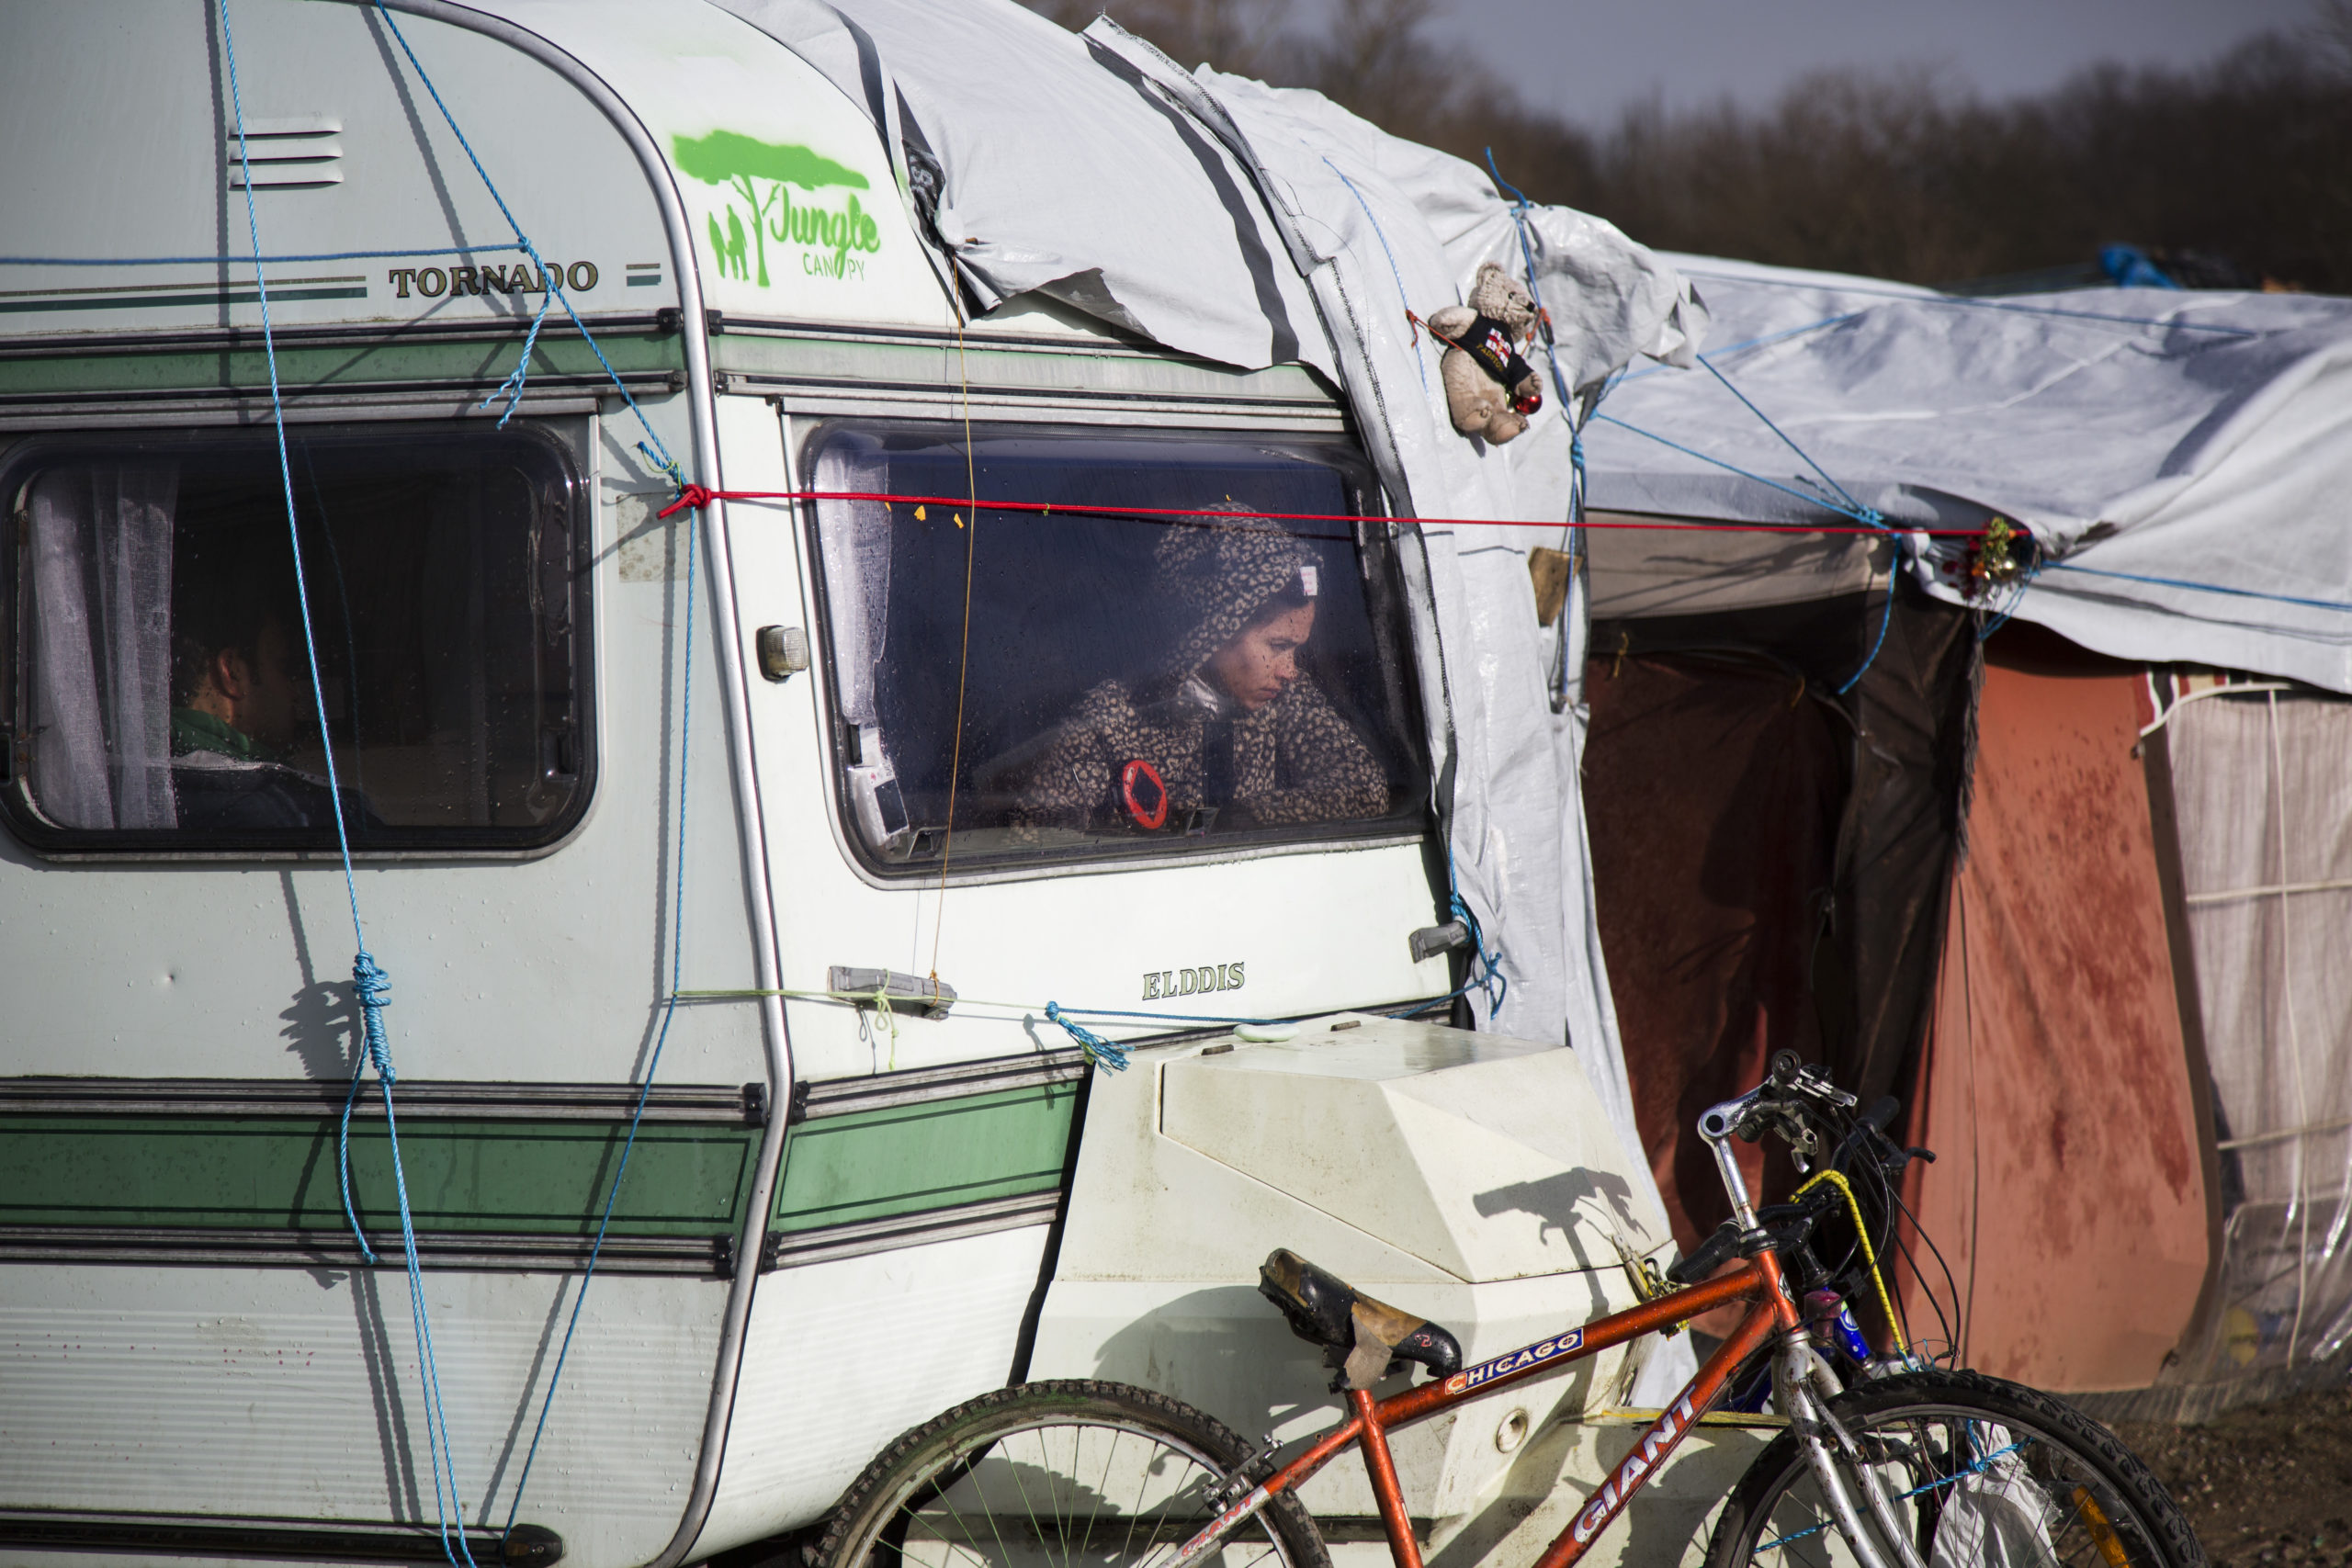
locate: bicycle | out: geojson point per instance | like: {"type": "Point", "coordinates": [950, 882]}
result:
{"type": "Point", "coordinates": [1913, 1466]}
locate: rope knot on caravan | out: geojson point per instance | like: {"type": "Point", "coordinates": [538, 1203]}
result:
{"type": "Point", "coordinates": [373, 990]}
{"type": "Point", "coordinates": [691, 498]}
{"type": "Point", "coordinates": [1097, 1049]}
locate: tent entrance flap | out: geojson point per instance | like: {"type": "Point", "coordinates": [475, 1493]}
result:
{"type": "Point", "coordinates": [1770, 856]}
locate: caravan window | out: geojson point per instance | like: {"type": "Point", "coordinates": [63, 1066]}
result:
{"type": "Point", "coordinates": [160, 696]}
{"type": "Point", "coordinates": [1129, 685]}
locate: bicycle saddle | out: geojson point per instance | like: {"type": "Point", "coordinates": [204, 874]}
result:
{"type": "Point", "coordinates": [1366, 1339]}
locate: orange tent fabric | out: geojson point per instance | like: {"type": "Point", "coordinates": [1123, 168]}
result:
{"type": "Point", "coordinates": [2069, 1194]}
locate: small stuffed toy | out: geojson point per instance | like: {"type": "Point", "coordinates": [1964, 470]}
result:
{"type": "Point", "coordinates": [1489, 390]}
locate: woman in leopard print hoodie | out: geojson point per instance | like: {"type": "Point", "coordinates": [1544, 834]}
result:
{"type": "Point", "coordinates": [1236, 734]}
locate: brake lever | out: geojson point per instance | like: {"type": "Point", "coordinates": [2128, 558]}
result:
{"type": "Point", "coordinates": [1767, 1115]}
{"type": "Point", "coordinates": [1813, 1083]}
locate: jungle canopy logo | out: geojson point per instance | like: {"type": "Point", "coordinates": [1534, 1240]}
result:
{"type": "Point", "coordinates": [764, 175]}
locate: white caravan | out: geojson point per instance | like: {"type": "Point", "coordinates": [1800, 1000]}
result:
{"type": "Point", "coordinates": [748, 756]}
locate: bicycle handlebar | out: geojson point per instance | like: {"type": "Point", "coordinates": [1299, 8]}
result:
{"type": "Point", "coordinates": [1786, 1224]}
{"type": "Point", "coordinates": [1797, 1102]}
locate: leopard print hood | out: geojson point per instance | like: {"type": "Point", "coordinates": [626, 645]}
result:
{"type": "Point", "coordinates": [1216, 575]}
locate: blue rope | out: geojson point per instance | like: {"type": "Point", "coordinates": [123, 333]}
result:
{"type": "Point", "coordinates": [513, 386]}
{"type": "Point", "coordinates": [1535, 295]}
{"type": "Point", "coordinates": [1485, 975]}
{"type": "Point", "coordinates": [1868, 517]}
{"type": "Point", "coordinates": [1785, 440]}
{"type": "Point", "coordinates": [244, 261]}
{"type": "Point", "coordinates": [1098, 1050]}
{"type": "Point", "coordinates": [659, 454]}
{"type": "Point", "coordinates": [1953, 1480]}
{"type": "Point", "coordinates": [373, 989]}
{"type": "Point", "coordinates": [1746, 343]}
{"type": "Point", "coordinates": [1967, 302]}
{"type": "Point", "coordinates": [1854, 509]}
{"type": "Point", "coordinates": [2017, 601]}
{"type": "Point", "coordinates": [661, 1038]}
{"type": "Point", "coordinates": [657, 451]}
{"type": "Point", "coordinates": [2203, 587]}
{"type": "Point", "coordinates": [1885, 619]}
{"type": "Point", "coordinates": [1488, 978]}
{"type": "Point", "coordinates": [1169, 1017]}
{"type": "Point", "coordinates": [1577, 477]}
{"type": "Point", "coordinates": [370, 986]}
{"type": "Point", "coordinates": [1394, 271]}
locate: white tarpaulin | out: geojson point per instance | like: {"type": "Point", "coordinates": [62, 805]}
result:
{"type": "Point", "coordinates": [1248, 224]}
{"type": "Point", "coordinates": [1352, 201]}
{"type": "Point", "coordinates": [1223, 217]}
{"type": "Point", "coordinates": [2266, 850]}
{"type": "Point", "coordinates": [1057, 177]}
{"type": "Point", "coordinates": [2185, 459]}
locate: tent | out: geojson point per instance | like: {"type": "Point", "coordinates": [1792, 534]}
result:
{"type": "Point", "coordinates": [1973, 832]}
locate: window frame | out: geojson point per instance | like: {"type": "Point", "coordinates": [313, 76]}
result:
{"type": "Point", "coordinates": [805, 438]}
{"type": "Point", "coordinates": [567, 477]}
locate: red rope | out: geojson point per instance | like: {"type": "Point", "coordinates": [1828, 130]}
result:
{"type": "Point", "coordinates": [694, 497]}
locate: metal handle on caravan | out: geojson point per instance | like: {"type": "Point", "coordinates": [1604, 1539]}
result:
{"type": "Point", "coordinates": [1431, 941]}
{"type": "Point", "coordinates": [783, 650]}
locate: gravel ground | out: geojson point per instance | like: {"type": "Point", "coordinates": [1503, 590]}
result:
{"type": "Point", "coordinates": [2265, 1487]}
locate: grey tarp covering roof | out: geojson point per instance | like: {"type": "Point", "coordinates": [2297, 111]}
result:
{"type": "Point", "coordinates": [2204, 439]}
{"type": "Point", "coordinates": [1060, 177]}
{"type": "Point", "coordinates": [1097, 159]}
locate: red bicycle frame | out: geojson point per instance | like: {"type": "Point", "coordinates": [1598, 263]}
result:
{"type": "Point", "coordinates": [1757, 1281]}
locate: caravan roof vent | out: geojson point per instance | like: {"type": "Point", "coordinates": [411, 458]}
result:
{"type": "Point", "coordinates": [298, 149]}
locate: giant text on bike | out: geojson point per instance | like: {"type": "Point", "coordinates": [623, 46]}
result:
{"type": "Point", "coordinates": [1663, 1435]}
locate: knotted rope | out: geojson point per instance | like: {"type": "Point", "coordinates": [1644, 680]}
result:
{"type": "Point", "coordinates": [1097, 1049]}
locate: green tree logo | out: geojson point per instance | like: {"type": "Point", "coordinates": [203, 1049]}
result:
{"type": "Point", "coordinates": [744, 165]}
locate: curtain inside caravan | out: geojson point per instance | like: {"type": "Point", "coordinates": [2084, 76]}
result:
{"type": "Point", "coordinates": [100, 556]}
{"type": "Point", "coordinates": [2265, 806]}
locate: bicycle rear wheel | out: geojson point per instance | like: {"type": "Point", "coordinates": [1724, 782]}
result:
{"type": "Point", "coordinates": [1980, 1474]}
{"type": "Point", "coordinates": [1074, 1474]}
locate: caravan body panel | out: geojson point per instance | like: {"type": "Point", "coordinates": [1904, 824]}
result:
{"type": "Point", "coordinates": [817, 1247]}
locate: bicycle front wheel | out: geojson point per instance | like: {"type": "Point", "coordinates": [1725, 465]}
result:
{"type": "Point", "coordinates": [1975, 1473]}
{"type": "Point", "coordinates": [1074, 1474]}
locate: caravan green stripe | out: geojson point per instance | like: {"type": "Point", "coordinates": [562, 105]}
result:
{"type": "Point", "coordinates": [464, 1177]}
{"type": "Point", "coordinates": [875, 1165]}
{"type": "Point", "coordinates": [526, 1178]}
{"type": "Point", "coordinates": [332, 367]}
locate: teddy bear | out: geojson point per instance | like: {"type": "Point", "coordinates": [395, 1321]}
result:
{"type": "Point", "coordinates": [1489, 390]}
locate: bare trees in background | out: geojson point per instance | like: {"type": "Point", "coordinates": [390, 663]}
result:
{"type": "Point", "coordinates": [2247, 161]}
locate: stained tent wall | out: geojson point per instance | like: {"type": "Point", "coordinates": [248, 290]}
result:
{"type": "Point", "coordinates": [2069, 1196]}
{"type": "Point", "coordinates": [1783, 864]}
{"type": "Point", "coordinates": [2133, 1063]}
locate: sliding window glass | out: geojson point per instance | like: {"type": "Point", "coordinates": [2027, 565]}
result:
{"type": "Point", "coordinates": [159, 689]}
{"type": "Point", "coordinates": [1089, 675]}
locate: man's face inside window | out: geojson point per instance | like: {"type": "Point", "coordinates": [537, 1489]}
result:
{"type": "Point", "coordinates": [255, 690]}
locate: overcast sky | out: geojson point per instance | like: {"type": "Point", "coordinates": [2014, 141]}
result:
{"type": "Point", "coordinates": [1587, 59]}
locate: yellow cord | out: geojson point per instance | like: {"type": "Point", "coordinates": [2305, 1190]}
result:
{"type": "Point", "coordinates": [1869, 1253]}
